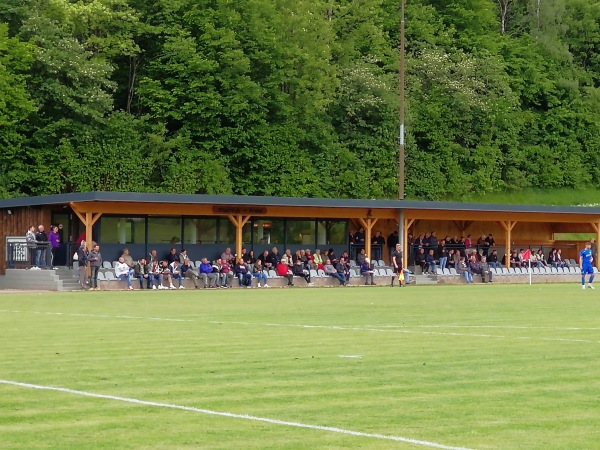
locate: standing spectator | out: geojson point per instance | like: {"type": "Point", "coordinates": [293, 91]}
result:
{"type": "Point", "coordinates": [378, 241]}
{"type": "Point", "coordinates": [442, 254]}
{"type": "Point", "coordinates": [82, 258]}
{"type": "Point", "coordinates": [42, 247]}
{"type": "Point", "coordinates": [31, 245]}
{"type": "Point", "coordinates": [95, 259]}
{"type": "Point", "coordinates": [226, 256]}
{"type": "Point", "coordinates": [122, 272]}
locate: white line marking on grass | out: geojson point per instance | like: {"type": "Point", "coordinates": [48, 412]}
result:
{"type": "Point", "coordinates": [235, 416]}
{"type": "Point", "coordinates": [506, 327]}
{"type": "Point", "coordinates": [396, 330]}
{"type": "Point", "coordinates": [350, 356]}
{"type": "Point", "coordinates": [99, 316]}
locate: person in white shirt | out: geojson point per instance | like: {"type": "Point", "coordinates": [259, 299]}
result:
{"type": "Point", "coordinates": [175, 269]}
{"type": "Point", "coordinates": [123, 272]}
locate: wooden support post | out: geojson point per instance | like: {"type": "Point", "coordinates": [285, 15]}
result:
{"type": "Point", "coordinates": [238, 221]}
{"type": "Point", "coordinates": [368, 225]}
{"type": "Point", "coordinates": [596, 227]}
{"type": "Point", "coordinates": [508, 227]}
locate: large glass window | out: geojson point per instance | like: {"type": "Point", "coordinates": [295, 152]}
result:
{"type": "Point", "coordinates": [123, 230]}
{"type": "Point", "coordinates": [300, 232]}
{"type": "Point", "coordinates": [164, 230]}
{"type": "Point", "coordinates": [332, 232]}
{"type": "Point", "coordinates": [227, 232]}
{"type": "Point", "coordinates": [200, 231]}
{"type": "Point", "coordinates": [269, 231]}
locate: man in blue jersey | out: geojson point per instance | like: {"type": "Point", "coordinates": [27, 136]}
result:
{"type": "Point", "coordinates": [585, 264]}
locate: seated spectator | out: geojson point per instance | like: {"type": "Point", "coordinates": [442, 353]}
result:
{"type": "Point", "coordinates": [318, 260]}
{"type": "Point", "coordinates": [259, 274]}
{"type": "Point", "coordinates": [332, 272]}
{"type": "Point", "coordinates": [175, 269]}
{"type": "Point", "coordinates": [330, 255]}
{"type": "Point", "coordinates": [361, 256]}
{"type": "Point", "coordinates": [188, 272]}
{"type": "Point", "coordinates": [540, 260]}
{"type": "Point", "coordinates": [243, 274]}
{"type": "Point", "coordinates": [343, 270]}
{"type": "Point", "coordinates": [492, 259]}
{"type": "Point", "coordinates": [265, 260]}
{"type": "Point", "coordinates": [166, 272]}
{"type": "Point", "coordinates": [514, 259]}
{"type": "Point", "coordinates": [477, 268]}
{"type": "Point", "coordinates": [420, 259]}
{"type": "Point", "coordinates": [464, 270]}
{"type": "Point", "coordinates": [173, 256]}
{"type": "Point", "coordinates": [555, 258]}
{"type": "Point", "coordinates": [227, 257]}
{"type": "Point", "coordinates": [283, 270]}
{"type": "Point", "coordinates": [367, 272]}
{"type": "Point", "coordinates": [225, 274]}
{"type": "Point", "coordinates": [156, 271]}
{"type": "Point", "coordinates": [299, 271]}
{"type": "Point", "coordinates": [561, 261]}
{"type": "Point", "coordinates": [287, 258]}
{"type": "Point", "coordinates": [205, 272]}
{"type": "Point", "coordinates": [486, 271]}
{"type": "Point", "coordinates": [430, 262]}
{"type": "Point", "coordinates": [127, 258]}
{"type": "Point", "coordinates": [122, 272]}
{"type": "Point", "coordinates": [183, 256]}
{"type": "Point", "coordinates": [297, 256]}
{"type": "Point", "coordinates": [141, 271]}
{"type": "Point", "coordinates": [451, 262]}
{"type": "Point", "coordinates": [274, 257]}
{"type": "Point", "coordinates": [250, 258]}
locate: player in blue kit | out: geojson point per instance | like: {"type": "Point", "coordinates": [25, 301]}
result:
{"type": "Point", "coordinates": [585, 264]}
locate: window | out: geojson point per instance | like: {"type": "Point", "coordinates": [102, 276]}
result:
{"type": "Point", "coordinates": [300, 232]}
{"type": "Point", "coordinates": [123, 230]}
{"type": "Point", "coordinates": [227, 232]}
{"type": "Point", "coordinates": [332, 232]}
{"type": "Point", "coordinates": [200, 231]}
{"type": "Point", "coordinates": [164, 230]}
{"type": "Point", "coordinates": [268, 231]}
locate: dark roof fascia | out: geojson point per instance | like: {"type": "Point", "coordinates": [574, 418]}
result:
{"type": "Point", "coordinates": [143, 197]}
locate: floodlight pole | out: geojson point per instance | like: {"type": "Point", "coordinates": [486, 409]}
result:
{"type": "Point", "coordinates": [401, 131]}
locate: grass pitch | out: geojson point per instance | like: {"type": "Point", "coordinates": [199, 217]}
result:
{"type": "Point", "coordinates": [480, 367]}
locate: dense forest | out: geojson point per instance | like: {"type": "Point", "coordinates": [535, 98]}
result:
{"type": "Point", "coordinates": [298, 98]}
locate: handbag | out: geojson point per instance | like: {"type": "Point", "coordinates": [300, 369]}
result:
{"type": "Point", "coordinates": [76, 257]}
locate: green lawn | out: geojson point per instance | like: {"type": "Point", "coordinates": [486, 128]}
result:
{"type": "Point", "coordinates": [481, 367]}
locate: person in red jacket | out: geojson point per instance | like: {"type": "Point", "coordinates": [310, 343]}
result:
{"type": "Point", "coordinates": [283, 270]}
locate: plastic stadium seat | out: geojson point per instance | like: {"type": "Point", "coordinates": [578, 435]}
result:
{"type": "Point", "coordinates": [512, 270]}
{"type": "Point", "coordinates": [446, 271]}
{"type": "Point", "coordinates": [572, 262]}
{"type": "Point", "coordinates": [197, 263]}
{"type": "Point", "coordinates": [505, 271]}
{"type": "Point", "coordinates": [453, 271]}
{"type": "Point", "coordinates": [389, 272]}
{"type": "Point", "coordinates": [353, 263]}
{"type": "Point", "coordinates": [375, 263]}
{"type": "Point", "coordinates": [273, 274]}
{"type": "Point", "coordinates": [110, 276]}
{"type": "Point", "coordinates": [595, 270]}
{"type": "Point", "coordinates": [572, 270]}
{"type": "Point", "coordinates": [439, 271]}
{"type": "Point", "coordinates": [321, 273]}
{"type": "Point", "coordinates": [314, 274]}
{"type": "Point", "coordinates": [535, 270]}
{"type": "Point", "coordinates": [381, 263]}
{"type": "Point", "coordinates": [577, 269]}
{"type": "Point", "coordinates": [553, 270]}
{"type": "Point", "coordinates": [354, 273]}
{"type": "Point", "coordinates": [106, 265]}
{"type": "Point", "coordinates": [101, 276]}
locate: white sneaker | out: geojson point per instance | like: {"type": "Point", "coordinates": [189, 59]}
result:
{"type": "Point", "coordinates": [154, 286]}
{"type": "Point", "coordinates": [311, 284]}
{"type": "Point", "coordinates": [131, 288]}
{"type": "Point", "coordinates": [172, 287]}
{"type": "Point", "coordinates": [182, 287]}
{"type": "Point", "coordinates": [583, 286]}
{"type": "Point", "coordinates": [258, 286]}
{"type": "Point", "coordinates": [266, 286]}
{"type": "Point", "coordinates": [591, 287]}
{"type": "Point", "coordinates": [162, 287]}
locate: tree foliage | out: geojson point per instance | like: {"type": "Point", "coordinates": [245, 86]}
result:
{"type": "Point", "coordinates": [271, 97]}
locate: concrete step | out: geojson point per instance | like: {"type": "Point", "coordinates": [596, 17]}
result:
{"type": "Point", "coordinates": [425, 280]}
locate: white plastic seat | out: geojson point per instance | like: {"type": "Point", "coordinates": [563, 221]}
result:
{"type": "Point", "coordinates": [110, 276]}
{"type": "Point", "coordinates": [101, 276]}
{"type": "Point", "coordinates": [197, 263]}
{"type": "Point", "coordinates": [572, 269]}
{"type": "Point", "coordinates": [321, 273]}
{"type": "Point", "coordinates": [273, 274]}
{"type": "Point", "coordinates": [453, 271]}
{"type": "Point", "coordinates": [314, 274]}
{"type": "Point", "coordinates": [389, 272]}
{"type": "Point", "coordinates": [353, 263]}
{"type": "Point", "coordinates": [505, 271]}
{"type": "Point", "coordinates": [535, 270]}
{"type": "Point", "coordinates": [446, 271]}
{"type": "Point", "coordinates": [114, 264]}
{"type": "Point", "coordinates": [439, 271]}
{"type": "Point", "coordinates": [512, 271]}
{"type": "Point", "coordinates": [106, 265]}
{"type": "Point", "coordinates": [381, 263]}
{"type": "Point", "coordinates": [577, 269]}
{"type": "Point", "coordinates": [553, 270]}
